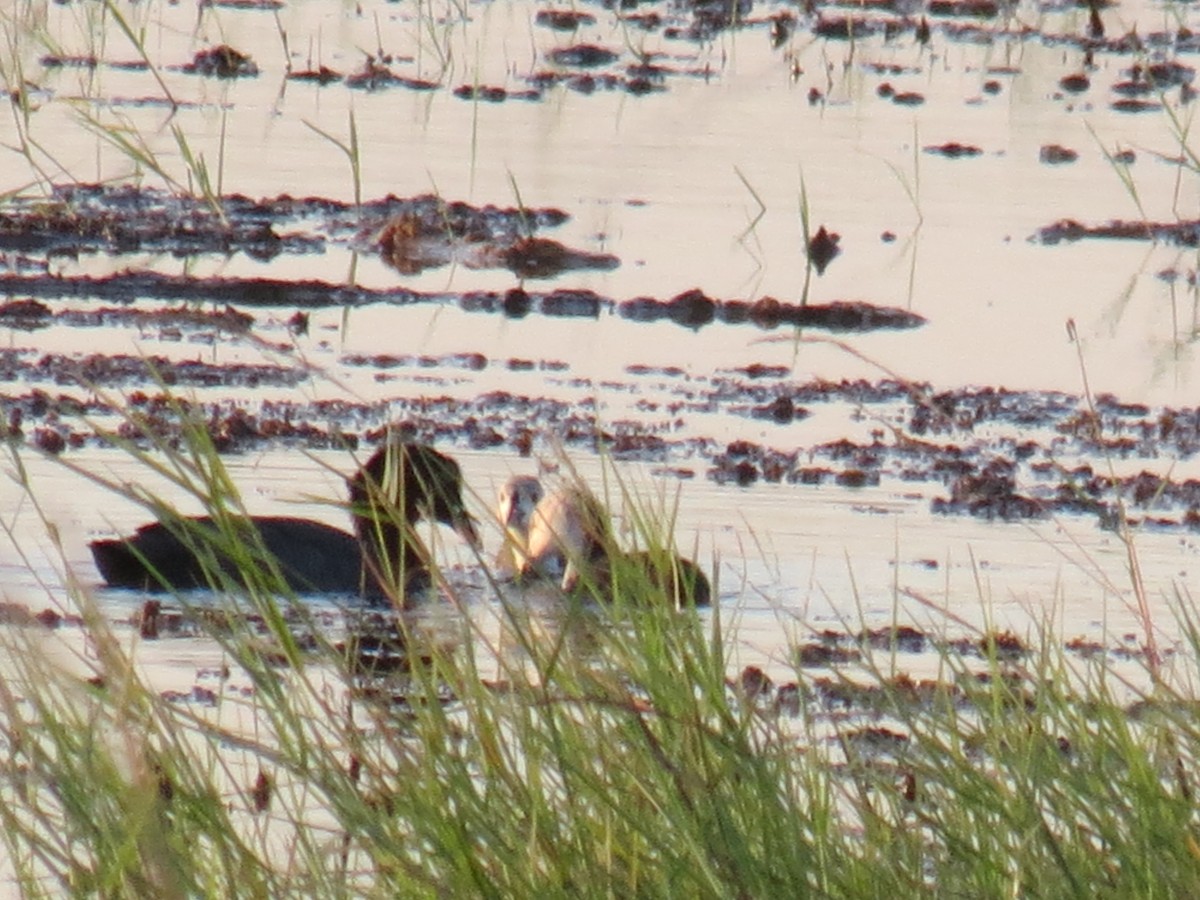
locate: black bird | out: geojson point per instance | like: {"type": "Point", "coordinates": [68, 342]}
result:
{"type": "Point", "coordinates": [383, 560]}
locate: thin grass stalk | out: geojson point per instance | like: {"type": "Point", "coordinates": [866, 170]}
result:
{"type": "Point", "coordinates": [806, 237]}
{"type": "Point", "coordinates": [351, 149]}
{"type": "Point", "coordinates": [139, 44]}
{"type": "Point", "coordinates": [762, 208]}
{"type": "Point", "coordinates": [1123, 173]}
{"type": "Point", "coordinates": [1137, 583]}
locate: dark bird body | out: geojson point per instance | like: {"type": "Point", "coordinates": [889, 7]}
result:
{"type": "Point", "coordinates": [401, 484]}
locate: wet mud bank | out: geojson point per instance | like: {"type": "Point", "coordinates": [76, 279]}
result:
{"type": "Point", "coordinates": [691, 309]}
{"type": "Point", "coordinates": [987, 452]}
{"type": "Point", "coordinates": [409, 235]}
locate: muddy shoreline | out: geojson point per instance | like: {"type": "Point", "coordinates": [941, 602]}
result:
{"type": "Point", "coordinates": [987, 453]}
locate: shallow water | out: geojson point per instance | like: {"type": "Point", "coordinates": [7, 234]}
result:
{"type": "Point", "coordinates": [786, 563]}
{"type": "Point", "coordinates": [670, 184]}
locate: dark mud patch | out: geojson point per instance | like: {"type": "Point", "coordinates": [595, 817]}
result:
{"type": "Point", "coordinates": [975, 9]}
{"type": "Point", "coordinates": [473, 362]}
{"type": "Point", "coordinates": [583, 56]}
{"type": "Point", "coordinates": [588, 83]}
{"type": "Point", "coordinates": [82, 219]}
{"type": "Point", "coordinates": [221, 61]}
{"type": "Point", "coordinates": [900, 98]}
{"type": "Point", "coordinates": [693, 311]}
{"type": "Point", "coordinates": [260, 5]}
{"type": "Point", "coordinates": [411, 244]}
{"type": "Point", "coordinates": [823, 248]}
{"type": "Point", "coordinates": [493, 93]}
{"type": "Point", "coordinates": [156, 620]}
{"type": "Point", "coordinates": [376, 648]}
{"type": "Point", "coordinates": [29, 315]}
{"type": "Point", "coordinates": [379, 653]}
{"type": "Point", "coordinates": [23, 616]}
{"type": "Point", "coordinates": [990, 492]}
{"type": "Point", "coordinates": [322, 75]}
{"type": "Point", "coordinates": [66, 61]}
{"type": "Point", "coordinates": [1132, 105]}
{"type": "Point", "coordinates": [375, 75]}
{"type": "Point", "coordinates": [953, 150]}
{"type": "Point", "coordinates": [586, 67]}
{"type": "Point", "coordinates": [1057, 155]}
{"type": "Point", "coordinates": [99, 370]}
{"type": "Point", "coordinates": [1075, 83]}
{"type": "Point", "coordinates": [25, 315]}
{"type": "Point", "coordinates": [1183, 234]}
{"type": "Point", "coordinates": [832, 647]}
{"type": "Point", "coordinates": [1004, 677]}
{"type": "Point", "coordinates": [88, 219]}
{"type": "Point", "coordinates": [563, 19]}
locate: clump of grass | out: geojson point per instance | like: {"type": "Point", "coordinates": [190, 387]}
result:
{"type": "Point", "coordinates": [199, 180]}
{"type": "Point", "coordinates": [610, 754]}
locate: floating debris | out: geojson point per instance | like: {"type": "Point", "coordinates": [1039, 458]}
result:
{"type": "Point", "coordinates": [822, 248]}
{"type": "Point", "coordinates": [953, 150]}
{"type": "Point", "coordinates": [221, 61]}
{"type": "Point", "coordinates": [584, 56]}
{"type": "Point", "coordinates": [563, 19]}
{"type": "Point", "coordinates": [1056, 155]}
